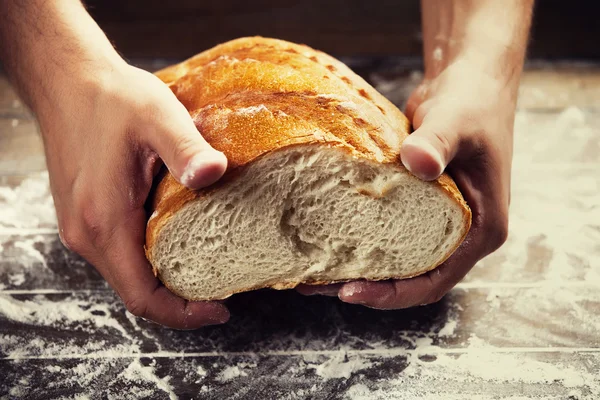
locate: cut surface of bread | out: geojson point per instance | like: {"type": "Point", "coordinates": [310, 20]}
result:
{"type": "Point", "coordinates": [314, 192]}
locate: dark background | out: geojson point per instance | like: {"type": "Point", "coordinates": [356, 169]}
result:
{"type": "Point", "coordinates": [175, 29]}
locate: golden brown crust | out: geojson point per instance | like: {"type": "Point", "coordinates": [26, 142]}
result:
{"type": "Point", "coordinates": [252, 96]}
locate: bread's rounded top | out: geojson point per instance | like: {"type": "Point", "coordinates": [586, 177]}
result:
{"type": "Point", "coordinates": [252, 95]}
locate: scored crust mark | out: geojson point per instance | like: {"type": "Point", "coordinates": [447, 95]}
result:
{"type": "Point", "coordinates": [263, 51]}
{"type": "Point", "coordinates": [364, 94]}
{"type": "Point", "coordinates": [325, 113]}
{"type": "Point", "coordinates": [361, 123]}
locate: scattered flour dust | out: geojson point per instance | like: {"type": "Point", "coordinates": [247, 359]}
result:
{"type": "Point", "coordinates": [481, 370]}
{"type": "Point", "coordinates": [42, 312]}
{"type": "Point", "coordinates": [136, 372]}
{"type": "Point", "coordinates": [249, 111]}
{"type": "Point", "coordinates": [445, 373]}
{"type": "Point", "coordinates": [569, 137]}
{"type": "Point", "coordinates": [553, 234]}
{"type": "Point", "coordinates": [16, 279]}
{"type": "Point", "coordinates": [28, 205]}
{"type": "Point", "coordinates": [201, 371]}
{"type": "Point", "coordinates": [230, 373]}
{"type": "Point", "coordinates": [134, 382]}
{"type": "Point", "coordinates": [449, 328]}
{"type": "Point", "coordinates": [341, 365]}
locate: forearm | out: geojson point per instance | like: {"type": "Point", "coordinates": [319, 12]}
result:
{"type": "Point", "coordinates": [45, 45]}
{"type": "Point", "coordinates": [491, 34]}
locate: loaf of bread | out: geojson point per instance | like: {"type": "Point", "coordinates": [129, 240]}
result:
{"type": "Point", "coordinates": [314, 192]}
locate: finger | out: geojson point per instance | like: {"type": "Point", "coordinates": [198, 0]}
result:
{"type": "Point", "coordinates": [129, 273]}
{"type": "Point", "coordinates": [324, 290]}
{"type": "Point", "coordinates": [424, 289]}
{"type": "Point", "coordinates": [189, 157]}
{"type": "Point", "coordinates": [430, 148]}
{"type": "Point", "coordinates": [415, 100]}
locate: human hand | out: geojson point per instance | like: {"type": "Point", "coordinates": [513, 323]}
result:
{"type": "Point", "coordinates": [463, 121]}
{"type": "Point", "coordinates": [104, 133]}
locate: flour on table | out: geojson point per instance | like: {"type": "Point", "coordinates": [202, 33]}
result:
{"type": "Point", "coordinates": [138, 373]}
{"type": "Point", "coordinates": [554, 220]}
{"type": "Point", "coordinates": [16, 279]}
{"type": "Point", "coordinates": [230, 372]}
{"type": "Point", "coordinates": [565, 138]}
{"type": "Point", "coordinates": [27, 206]}
{"type": "Point", "coordinates": [448, 329]}
{"type": "Point", "coordinates": [40, 311]}
{"type": "Point", "coordinates": [341, 366]}
{"type": "Point", "coordinates": [201, 371]}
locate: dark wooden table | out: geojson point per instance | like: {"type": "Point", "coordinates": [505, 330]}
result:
{"type": "Point", "coordinates": [524, 324]}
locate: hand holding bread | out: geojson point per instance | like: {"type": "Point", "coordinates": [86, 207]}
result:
{"type": "Point", "coordinates": [463, 122]}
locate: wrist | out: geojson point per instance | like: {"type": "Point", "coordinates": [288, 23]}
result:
{"type": "Point", "coordinates": [79, 80]}
{"type": "Point", "coordinates": [473, 63]}
{"type": "Point", "coordinates": [49, 48]}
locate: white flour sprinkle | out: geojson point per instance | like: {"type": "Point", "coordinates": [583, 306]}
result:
{"type": "Point", "coordinates": [341, 366]}
{"type": "Point", "coordinates": [449, 328]}
{"type": "Point", "coordinates": [438, 54]}
{"type": "Point", "coordinates": [16, 279]}
{"type": "Point", "coordinates": [42, 312]}
{"type": "Point", "coordinates": [29, 251]}
{"type": "Point", "coordinates": [250, 111]}
{"type": "Point", "coordinates": [230, 373]}
{"type": "Point", "coordinates": [138, 373]}
{"type": "Point", "coordinates": [29, 205]}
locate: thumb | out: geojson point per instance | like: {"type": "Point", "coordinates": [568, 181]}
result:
{"type": "Point", "coordinates": [428, 150]}
{"type": "Point", "coordinates": [187, 155]}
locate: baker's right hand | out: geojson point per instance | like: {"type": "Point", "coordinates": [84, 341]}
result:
{"type": "Point", "coordinates": [105, 132]}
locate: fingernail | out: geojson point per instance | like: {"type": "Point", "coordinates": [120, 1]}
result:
{"type": "Point", "coordinates": [220, 316]}
{"type": "Point", "coordinates": [414, 162]}
{"type": "Point", "coordinates": [203, 169]}
{"type": "Point", "coordinates": [350, 293]}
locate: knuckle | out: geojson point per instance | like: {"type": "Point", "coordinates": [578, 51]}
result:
{"type": "Point", "coordinates": [150, 107]}
{"type": "Point", "coordinates": [91, 221]}
{"type": "Point", "coordinates": [184, 147]}
{"type": "Point", "coordinates": [437, 288]}
{"type": "Point", "coordinates": [136, 306]}
{"type": "Point", "coordinates": [444, 144]}
{"type": "Point", "coordinates": [435, 295]}
{"type": "Point", "coordinates": [498, 231]}
{"type": "Point", "coordinates": [71, 237]}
